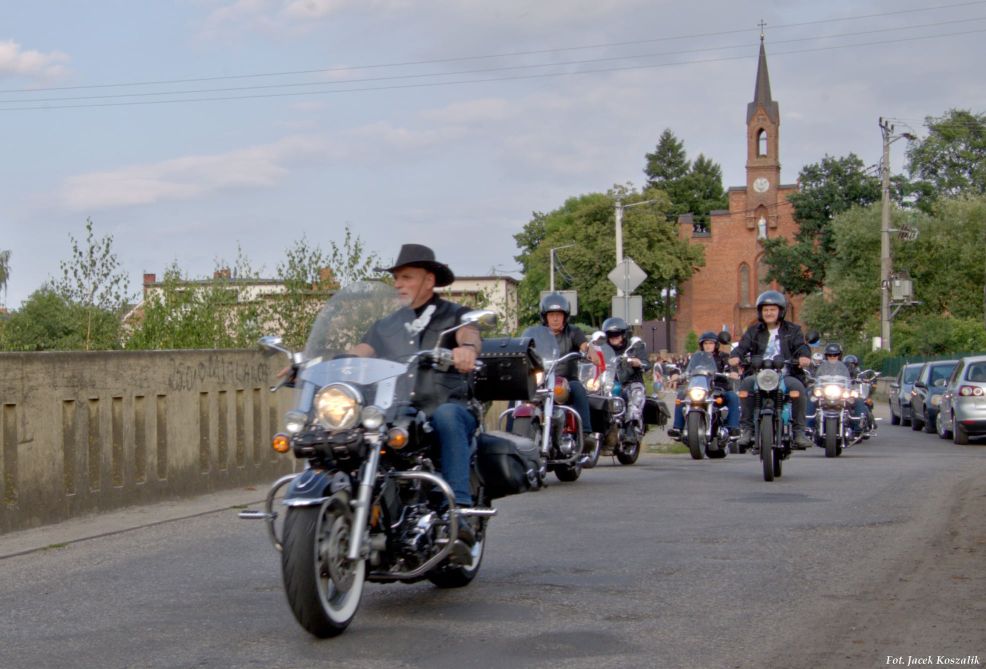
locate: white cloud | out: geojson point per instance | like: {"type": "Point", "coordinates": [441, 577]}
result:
{"type": "Point", "coordinates": [17, 61]}
{"type": "Point", "coordinates": [188, 177]}
{"type": "Point", "coordinates": [481, 110]}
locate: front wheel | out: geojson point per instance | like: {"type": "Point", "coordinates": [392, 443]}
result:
{"type": "Point", "coordinates": [696, 432]}
{"type": "Point", "coordinates": [322, 585]}
{"type": "Point", "coordinates": [831, 436]}
{"type": "Point", "coordinates": [765, 441]}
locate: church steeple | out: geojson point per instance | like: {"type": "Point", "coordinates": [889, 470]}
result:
{"type": "Point", "coordinates": [761, 92]}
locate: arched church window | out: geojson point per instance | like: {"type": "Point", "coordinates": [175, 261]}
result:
{"type": "Point", "coordinates": [744, 285]}
{"type": "Point", "coordinates": [761, 142]}
{"type": "Point", "coordinates": [762, 283]}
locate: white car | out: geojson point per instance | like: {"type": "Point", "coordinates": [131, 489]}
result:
{"type": "Point", "coordinates": [962, 412]}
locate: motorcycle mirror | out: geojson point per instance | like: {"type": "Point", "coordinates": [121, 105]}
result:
{"type": "Point", "coordinates": [598, 337]}
{"type": "Point", "coordinates": [271, 344]}
{"type": "Point", "coordinates": [813, 337]}
{"type": "Point", "coordinates": [634, 341]}
{"type": "Point", "coordinates": [725, 337]}
{"type": "Point", "coordinates": [483, 318]}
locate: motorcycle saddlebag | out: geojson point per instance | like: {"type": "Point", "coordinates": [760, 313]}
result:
{"type": "Point", "coordinates": [656, 412]}
{"type": "Point", "coordinates": [509, 366]}
{"type": "Point", "coordinates": [503, 461]}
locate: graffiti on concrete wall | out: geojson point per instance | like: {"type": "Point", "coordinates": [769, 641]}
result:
{"type": "Point", "coordinates": [218, 370]}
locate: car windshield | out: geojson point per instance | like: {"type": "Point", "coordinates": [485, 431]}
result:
{"type": "Point", "coordinates": [911, 374]}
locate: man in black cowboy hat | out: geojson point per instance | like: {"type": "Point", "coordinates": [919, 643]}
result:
{"type": "Point", "coordinates": [417, 326]}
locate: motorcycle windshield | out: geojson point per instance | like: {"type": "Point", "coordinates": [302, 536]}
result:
{"type": "Point", "coordinates": [701, 363]}
{"type": "Point", "coordinates": [545, 342]}
{"type": "Point", "coordinates": [832, 372]}
{"type": "Point", "coordinates": [347, 316]}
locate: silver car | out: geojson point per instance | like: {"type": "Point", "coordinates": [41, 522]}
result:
{"type": "Point", "coordinates": [962, 412]}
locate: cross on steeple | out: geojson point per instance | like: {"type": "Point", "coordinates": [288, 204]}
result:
{"type": "Point", "coordinates": [762, 26]}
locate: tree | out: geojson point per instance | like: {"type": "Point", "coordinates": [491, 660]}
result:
{"type": "Point", "coordinates": [4, 273]}
{"type": "Point", "coordinates": [694, 188]}
{"type": "Point", "coordinates": [827, 189]}
{"type": "Point", "coordinates": [587, 221]}
{"type": "Point", "coordinates": [951, 160]}
{"type": "Point", "coordinates": [47, 321]}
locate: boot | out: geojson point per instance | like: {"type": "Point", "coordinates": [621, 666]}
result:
{"type": "Point", "coordinates": [674, 432]}
{"type": "Point", "coordinates": [801, 442]}
{"type": "Point", "coordinates": [746, 437]}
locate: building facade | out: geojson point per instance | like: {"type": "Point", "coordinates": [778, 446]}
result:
{"type": "Point", "coordinates": [723, 293]}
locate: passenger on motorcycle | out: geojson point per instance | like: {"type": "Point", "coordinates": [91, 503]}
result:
{"type": "Point", "coordinates": [416, 326]}
{"type": "Point", "coordinates": [709, 342]}
{"type": "Point", "coordinates": [770, 337]}
{"type": "Point", "coordinates": [555, 311]}
{"type": "Point", "coordinates": [616, 330]}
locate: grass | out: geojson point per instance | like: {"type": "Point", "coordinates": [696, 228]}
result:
{"type": "Point", "coordinates": [667, 449]}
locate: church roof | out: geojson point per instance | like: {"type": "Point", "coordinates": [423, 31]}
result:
{"type": "Point", "coordinates": [761, 93]}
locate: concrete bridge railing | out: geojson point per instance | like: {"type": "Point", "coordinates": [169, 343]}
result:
{"type": "Point", "coordinates": [92, 432]}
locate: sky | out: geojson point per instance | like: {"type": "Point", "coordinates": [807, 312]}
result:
{"type": "Point", "coordinates": [197, 131]}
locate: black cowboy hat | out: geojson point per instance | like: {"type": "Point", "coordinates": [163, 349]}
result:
{"type": "Point", "coordinates": [418, 255]}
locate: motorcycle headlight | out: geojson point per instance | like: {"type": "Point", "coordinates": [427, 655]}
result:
{"type": "Point", "coordinates": [592, 385]}
{"type": "Point", "coordinates": [854, 393]}
{"type": "Point", "coordinates": [768, 379]}
{"type": "Point", "coordinates": [696, 394]}
{"type": "Point", "coordinates": [539, 377]}
{"type": "Point", "coordinates": [832, 391]}
{"type": "Point", "coordinates": [337, 406]}
{"type": "Point", "coordinates": [817, 391]}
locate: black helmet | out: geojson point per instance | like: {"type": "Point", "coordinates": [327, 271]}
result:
{"type": "Point", "coordinates": [833, 349]}
{"type": "Point", "coordinates": [615, 326]}
{"type": "Point", "coordinates": [708, 336]}
{"type": "Point", "coordinates": [554, 302]}
{"type": "Point", "coordinates": [771, 297]}
{"type": "Point", "coordinates": [851, 360]}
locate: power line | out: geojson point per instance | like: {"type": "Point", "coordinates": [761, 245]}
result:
{"type": "Point", "coordinates": [513, 54]}
{"type": "Point", "coordinates": [506, 68]}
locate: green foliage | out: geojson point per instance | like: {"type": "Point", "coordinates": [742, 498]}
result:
{"type": "Point", "coordinates": [694, 188]}
{"type": "Point", "coordinates": [48, 321]}
{"type": "Point", "coordinates": [4, 272]}
{"type": "Point", "coordinates": [938, 336]}
{"type": "Point", "coordinates": [828, 188]}
{"type": "Point", "coordinates": [951, 160]}
{"type": "Point", "coordinates": [588, 222]}
{"type": "Point", "coordinates": [691, 341]}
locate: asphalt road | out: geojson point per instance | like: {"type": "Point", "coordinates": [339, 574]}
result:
{"type": "Point", "coordinates": [851, 562]}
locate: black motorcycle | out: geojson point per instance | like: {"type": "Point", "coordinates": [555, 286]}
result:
{"type": "Point", "coordinates": [370, 504]}
{"type": "Point", "coordinates": [771, 415]}
{"type": "Point", "coordinates": [704, 408]}
{"type": "Point", "coordinates": [617, 404]}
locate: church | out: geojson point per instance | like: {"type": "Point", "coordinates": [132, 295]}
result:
{"type": "Point", "coordinates": [723, 293]}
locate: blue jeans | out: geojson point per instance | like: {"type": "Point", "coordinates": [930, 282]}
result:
{"type": "Point", "coordinates": [729, 397]}
{"type": "Point", "coordinates": [455, 426]}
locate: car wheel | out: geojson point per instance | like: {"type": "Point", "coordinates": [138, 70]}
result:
{"type": "Point", "coordinates": [929, 423]}
{"type": "Point", "coordinates": [940, 427]}
{"type": "Point", "coordinates": [894, 418]}
{"type": "Point", "coordinates": [905, 417]}
{"type": "Point", "coordinates": [959, 435]}
{"type": "Point", "coordinates": [916, 423]}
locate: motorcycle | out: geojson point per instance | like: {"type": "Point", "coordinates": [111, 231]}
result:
{"type": "Point", "coordinates": [864, 383]}
{"type": "Point", "coordinates": [617, 405]}
{"type": "Point", "coordinates": [772, 414]}
{"type": "Point", "coordinates": [835, 397]}
{"type": "Point", "coordinates": [547, 419]}
{"type": "Point", "coordinates": [370, 504]}
{"type": "Point", "coordinates": [705, 430]}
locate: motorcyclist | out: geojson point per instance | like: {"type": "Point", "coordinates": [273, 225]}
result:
{"type": "Point", "coordinates": [555, 311]}
{"type": "Point", "coordinates": [860, 408]}
{"type": "Point", "coordinates": [772, 336]}
{"type": "Point", "coordinates": [709, 343]}
{"type": "Point", "coordinates": [616, 331]}
{"type": "Point", "coordinates": [831, 353]}
{"type": "Point", "coordinates": [417, 326]}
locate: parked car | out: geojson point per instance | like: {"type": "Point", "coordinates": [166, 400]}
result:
{"type": "Point", "coordinates": [962, 412]}
{"type": "Point", "coordinates": [927, 391]}
{"type": "Point", "coordinates": [900, 394]}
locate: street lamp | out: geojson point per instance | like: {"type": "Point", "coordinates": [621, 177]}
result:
{"type": "Point", "coordinates": [886, 262]}
{"type": "Point", "coordinates": [552, 253]}
{"type": "Point", "coordinates": [619, 225]}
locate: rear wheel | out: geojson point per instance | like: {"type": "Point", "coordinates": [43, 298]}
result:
{"type": "Point", "coordinates": [765, 441]}
{"type": "Point", "coordinates": [929, 425]}
{"type": "Point", "coordinates": [831, 436]}
{"type": "Point", "coordinates": [696, 434]}
{"type": "Point", "coordinates": [461, 575]}
{"type": "Point", "coordinates": [323, 587]}
{"type": "Point", "coordinates": [894, 418]}
{"type": "Point", "coordinates": [916, 423]}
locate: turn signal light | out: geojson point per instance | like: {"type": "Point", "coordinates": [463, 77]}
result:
{"type": "Point", "coordinates": [397, 438]}
{"type": "Point", "coordinates": [281, 443]}
{"type": "Point", "coordinates": [795, 394]}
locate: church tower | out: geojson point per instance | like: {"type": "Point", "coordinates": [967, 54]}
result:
{"type": "Point", "coordinates": [763, 167]}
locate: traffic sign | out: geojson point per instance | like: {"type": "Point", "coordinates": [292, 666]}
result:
{"type": "Point", "coordinates": [627, 275]}
{"type": "Point", "coordinates": [630, 308]}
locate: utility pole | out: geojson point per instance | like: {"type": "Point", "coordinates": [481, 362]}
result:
{"type": "Point", "coordinates": [552, 254]}
{"type": "Point", "coordinates": [886, 130]}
